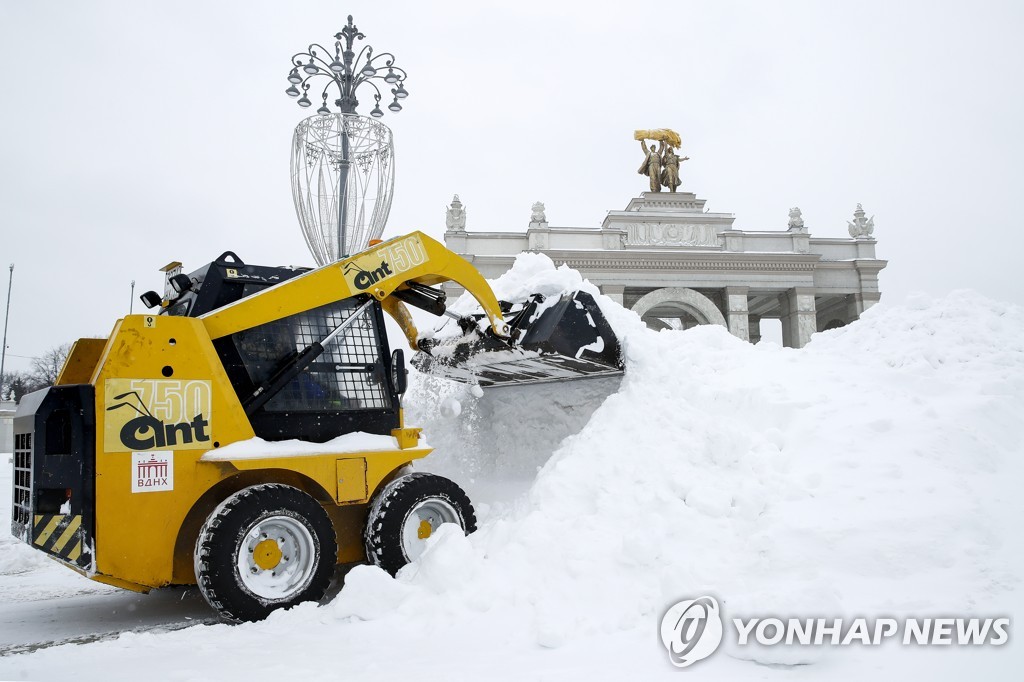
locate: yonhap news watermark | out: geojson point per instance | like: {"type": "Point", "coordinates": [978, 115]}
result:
{"type": "Point", "coordinates": [693, 629]}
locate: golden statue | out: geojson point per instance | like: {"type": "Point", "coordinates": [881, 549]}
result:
{"type": "Point", "coordinates": [670, 169]}
{"type": "Point", "coordinates": [661, 165]}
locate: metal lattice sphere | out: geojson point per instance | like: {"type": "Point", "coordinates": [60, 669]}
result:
{"type": "Point", "coordinates": [346, 161]}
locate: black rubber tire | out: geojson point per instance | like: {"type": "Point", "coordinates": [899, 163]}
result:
{"type": "Point", "coordinates": [220, 538]}
{"type": "Point", "coordinates": [392, 506]}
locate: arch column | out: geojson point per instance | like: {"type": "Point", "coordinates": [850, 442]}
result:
{"type": "Point", "coordinates": [799, 318]}
{"type": "Point", "coordinates": [614, 292]}
{"type": "Point", "coordinates": [754, 328]}
{"type": "Point", "coordinates": [739, 314]}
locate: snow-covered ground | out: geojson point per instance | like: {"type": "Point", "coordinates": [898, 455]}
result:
{"type": "Point", "coordinates": [873, 473]}
{"type": "Point", "coordinates": [42, 603]}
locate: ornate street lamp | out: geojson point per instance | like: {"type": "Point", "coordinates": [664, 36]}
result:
{"type": "Point", "coordinates": [342, 164]}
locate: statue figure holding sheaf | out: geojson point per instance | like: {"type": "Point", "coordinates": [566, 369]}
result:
{"type": "Point", "coordinates": [651, 166]}
{"type": "Point", "coordinates": [661, 165]}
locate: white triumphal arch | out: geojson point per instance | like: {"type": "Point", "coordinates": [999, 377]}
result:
{"type": "Point", "coordinates": [678, 265]}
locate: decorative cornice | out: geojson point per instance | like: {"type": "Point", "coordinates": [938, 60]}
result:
{"type": "Point", "coordinates": [690, 262]}
{"type": "Point", "coordinates": [595, 264]}
{"type": "Point", "coordinates": [870, 263]}
{"type": "Point", "coordinates": [487, 235]}
{"type": "Point", "coordinates": [842, 240]}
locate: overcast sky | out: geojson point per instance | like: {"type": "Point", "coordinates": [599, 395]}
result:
{"type": "Point", "coordinates": [136, 133]}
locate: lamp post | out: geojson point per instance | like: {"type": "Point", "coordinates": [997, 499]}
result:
{"type": "Point", "coordinates": [344, 73]}
{"type": "Point", "coordinates": [7, 314]}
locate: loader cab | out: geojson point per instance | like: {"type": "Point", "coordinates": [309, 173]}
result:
{"type": "Point", "coordinates": [350, 387]}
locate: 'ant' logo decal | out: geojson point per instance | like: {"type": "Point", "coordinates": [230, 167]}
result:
{"type": "Point", "coordinates": [364, 279]}
{"type": "Point", "coordinates": [391, 258]}
{"type": "Point", "coordinates": [154, 414]}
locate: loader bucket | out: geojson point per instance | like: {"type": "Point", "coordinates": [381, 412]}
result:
{"type": "Point", "coordinates": [564, 340]}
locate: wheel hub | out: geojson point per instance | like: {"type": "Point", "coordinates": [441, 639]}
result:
{"type": "Point", "coordinates": [423, 519]}
{"type": "Point", "coordinates": [276, 558]}
{"type": "Point", "coordinates": [425, 530]}
{"type": "Point", "coordinates": [267, 554]}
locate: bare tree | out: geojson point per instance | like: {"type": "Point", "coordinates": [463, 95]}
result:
{"type": "Point", "coordinates": [18, 384]}
{"type": "Point", "coordinates": [46, 368]}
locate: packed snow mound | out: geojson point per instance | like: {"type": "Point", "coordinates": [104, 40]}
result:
{"type": "Point", "coordinates": [962, 327]}
{"type": "Point", "coordinates": [856, 476]}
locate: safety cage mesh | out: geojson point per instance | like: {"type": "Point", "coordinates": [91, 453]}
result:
{"type": "Point", "coordinates": [349, 375]}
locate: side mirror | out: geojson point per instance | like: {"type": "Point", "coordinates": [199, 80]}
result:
{"type": "Point", "coordinates": [399, 376]}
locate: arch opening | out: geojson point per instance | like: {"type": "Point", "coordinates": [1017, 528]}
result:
{"type": "Point", "coordinates": [677, 308]}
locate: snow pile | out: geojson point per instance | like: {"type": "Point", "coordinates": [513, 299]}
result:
{"type": "Point", "coordinates": [873, 473]}
{"type": "Point", "coordinates": [17, 557]}
{"type": "Point", "coordinates": [964, 327]}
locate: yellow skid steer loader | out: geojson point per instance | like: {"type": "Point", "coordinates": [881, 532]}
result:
{"type": "Point", "coordinates": [249, 437]}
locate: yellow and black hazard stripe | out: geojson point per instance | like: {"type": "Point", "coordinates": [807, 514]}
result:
{"type": "Point", "coordinates": [59, 534]}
